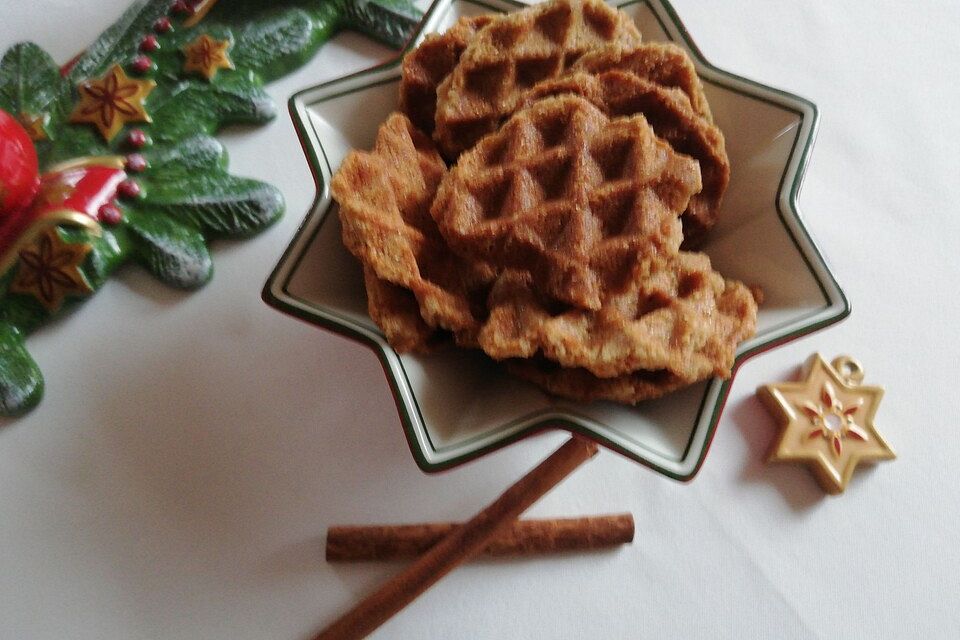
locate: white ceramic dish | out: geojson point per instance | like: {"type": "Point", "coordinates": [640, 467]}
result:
{"type": "Point", "coordinates": [456, 406]}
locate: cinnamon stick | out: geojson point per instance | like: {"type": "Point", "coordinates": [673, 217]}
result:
{"type": "Point", "coordinates": [460, 545]}
{"type": "Point", "coordinates": [523, 538]}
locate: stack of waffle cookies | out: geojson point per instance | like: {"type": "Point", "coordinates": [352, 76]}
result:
{"type": "Point", "coordinates": [538, 196]}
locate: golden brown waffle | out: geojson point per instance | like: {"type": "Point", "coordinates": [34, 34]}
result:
{"type": "Point", "coordinates": [511, 54]}
{"type": "Point", "coordinates": [668, 111]}
{"type": "Point", "coordinates": [384, 198]}
{"type": "Point", "coordinates": [673, 314]}
{"type": "Point", "coordinates": [396, 312]}
{"type": "Point", "coordinates": [660, 62]}
{"type": "Point", "coordinates": [425, 68]}
{"type": "Point", "coordinates": [583, 386]}
{"type": "Point", "coordinates": [567, 194]}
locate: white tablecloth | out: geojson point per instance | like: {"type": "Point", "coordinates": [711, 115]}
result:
{"type": "Point", "coordinates": [177, 480]}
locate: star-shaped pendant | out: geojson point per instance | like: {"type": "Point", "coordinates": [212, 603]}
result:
{"type": "Point", "coordinates": [49, 270]}
{"type": "Point", "coordinates": [205, 56]}
{"type": "Point", "coordinates": [827, 420]}
{"type": "Point", "coordinates": [112, 101]}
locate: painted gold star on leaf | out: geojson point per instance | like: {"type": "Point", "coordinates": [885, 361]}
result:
{"type": "Point", "coordinates": [35, 125]}
{"type": "Point", "coordinates": [49, 270]}
{"type": "Point", "coordinates": [206, 55]}
{"type": "Point", "coordinates": [827, 420]}
{"type": "Point", "coordinates": [112, 101]}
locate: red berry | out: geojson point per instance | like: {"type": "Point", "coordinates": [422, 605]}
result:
{"type": "Point", "coordinates": [162, 25]}
{"type": "Point", "coordinates": [110, 214]}
{"type": "Point", "coordinates": [149, 44]}
{"type": "Point", "coordinates": [142, 64]}
{"type": "Point", "coordinates": [19, 178]}
{"type": "Point", "coordinates": [137, 138]}
{"type": "Point", "coordinates": [135, 163]}
{"type": "Point", "coordinates": [129, 189]}
{"type": "Point", "coordinates": [181, 7]}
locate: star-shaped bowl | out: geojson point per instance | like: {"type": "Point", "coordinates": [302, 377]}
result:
{"type": "Point", "coordinates": [456, 406]}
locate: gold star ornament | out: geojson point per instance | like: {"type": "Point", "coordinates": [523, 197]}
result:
{"type": "Point", "coordinates": [205, 56]}
{"type": "Point", "coordinates": [110, 102]}
{"type": "Point", "coordinates": [49, 270]}
{"type": "Point", "coordinates": [827, 420]}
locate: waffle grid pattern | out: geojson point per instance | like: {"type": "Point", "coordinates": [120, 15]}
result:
{"type": "Point", "coordinates": [568, 194]}
{"type": "Point", "coordinates": [553, 240]}
{"type": "Point", "coordinates": [384, 198]}
{"type": "Point", "coordinates": [668, 111]}
{"type": "Point", "coordinates": [513, 53]}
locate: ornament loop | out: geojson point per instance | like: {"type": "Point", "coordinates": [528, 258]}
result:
{"type": "Point", "coordinates": [849, 369]}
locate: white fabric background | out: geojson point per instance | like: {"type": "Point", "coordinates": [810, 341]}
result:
{"type": "Point", "coordinates": [178, 478]}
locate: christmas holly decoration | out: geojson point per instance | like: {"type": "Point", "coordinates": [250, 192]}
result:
{"type": "Point", "coordinates": [111, 159]}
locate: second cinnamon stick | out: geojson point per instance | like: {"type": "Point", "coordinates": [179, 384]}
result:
{"type": "Point", "coordinates": [523, 538]}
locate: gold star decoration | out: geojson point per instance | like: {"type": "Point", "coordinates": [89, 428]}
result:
{"type": "Point", "coordinates": [35, 125]}
{"type": "Point", "coordinates": [827, 420]}
{"type": "Point", "coordinates": [112, 101]}
{"type": "Point", "coordinates": [205, 56]}
{"type": "Point", "coordinates": [50, 270]}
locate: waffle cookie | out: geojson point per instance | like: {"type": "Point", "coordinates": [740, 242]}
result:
{"type": "Point", "coordinates": [568, 195]}
{"type": "Point", "coordinates": [664, 63]}
{"type": "Point", "coordinates": [583, 386]}
{"type": "Point", "coordinates": [396, 311]}
{"type": "Point", "coordinates": [668, 111]}
{"type": "Point", "coordinates": [384, 198]}
{"type": "Point", "coordinates": [666, 313]}
{"type": "Point", "coordinates": [510, 55]}
{"type": "Point", "coordinates": [429, 64]}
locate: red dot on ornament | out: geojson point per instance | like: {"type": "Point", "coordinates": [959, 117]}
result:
{"type": "Point", "coordinates": [110, 214]}
{"type": "Point", "coordinates": [149, 44]}
{"type": "Point", "coordinates": [135, 163]}
{"type": "Point", "coordinates": [129, 189]}
{"type": "Point", "coordinates": [142, 64]}
{"type": "Point", "coordinates": [162, 25]}
{"type": "Point", "coordinates": [182, 7]}
{"type": "Point", "coordinates": [137, 138]}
